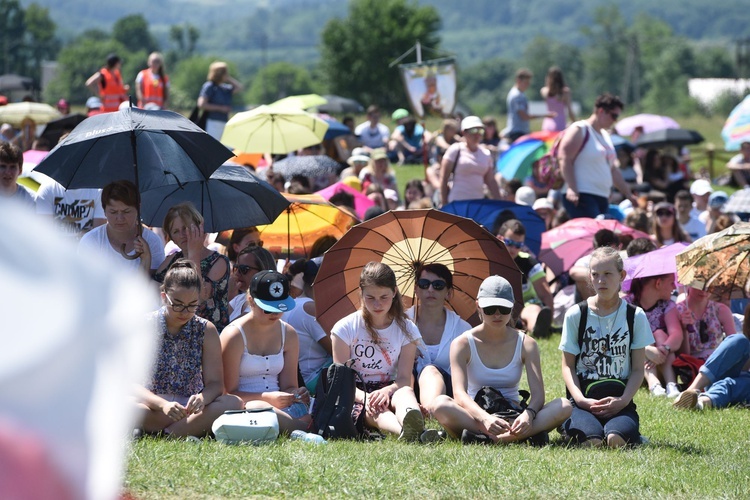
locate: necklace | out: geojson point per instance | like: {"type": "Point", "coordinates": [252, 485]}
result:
{"type": "Point", "coordinates": [611, 323]}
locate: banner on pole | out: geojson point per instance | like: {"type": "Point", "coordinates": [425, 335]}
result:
{"type": "Point", "coordinates": [430, 86]}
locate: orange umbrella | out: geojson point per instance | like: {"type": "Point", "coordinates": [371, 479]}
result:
{"type": "Point", "coordinates": [404, 240]}
{"type": "Point", "coordinates": [307, 218]}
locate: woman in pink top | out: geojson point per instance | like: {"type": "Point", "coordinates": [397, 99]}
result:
{"type": "Point", "coordinates": [558, 100]}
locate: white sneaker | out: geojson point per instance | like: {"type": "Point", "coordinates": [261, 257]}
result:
{"type": "Point", "coordinates": [658, 391]}
{"type": "Point", "coordinates": [672, 390]}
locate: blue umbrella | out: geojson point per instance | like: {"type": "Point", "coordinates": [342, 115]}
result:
{"type": "Point", "coordinates": [516, 162]}
{"type": "Point", "coordinates": [335, 128]}
{"type": "Point", "coordinates": [485, 213]}
{"type": "Point", "coordinates": [232, 197]}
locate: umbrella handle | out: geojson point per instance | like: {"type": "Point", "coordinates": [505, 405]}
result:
{"type": "Point", "coordinates": [122, 247]}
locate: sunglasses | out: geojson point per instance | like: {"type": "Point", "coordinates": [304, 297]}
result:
{"type": "Point", "coordinates": [664, 213]}
{"type": "Point", "coordinates": [513, 243]}
{"type": "Point", "coordinates": [702, 327]}
{"type": "Point", "coordinates": [244, 269]}
{"type": "Point", "coordinates": [181, 307]}
{"type": "Point", "coordinates": [475, 130]}
{"type": "Point", "coordinates": [614, 116]}
{"type": "Point", "coordinates": [492, 310]}
{"type": "Point", "coordinates": [437, 285]}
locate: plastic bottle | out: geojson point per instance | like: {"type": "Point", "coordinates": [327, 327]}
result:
{"type": "Point", "coordinates": [308, 437]}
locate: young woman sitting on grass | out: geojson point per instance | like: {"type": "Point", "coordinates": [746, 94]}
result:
{"type": "Point", "coordinates": [494, 354]}
{"type": "Point", "coordinates": [185, 394]}
{"type": "Point", "coordinates": [383, 343]}
{"type": "Point", "coordinates": [603, 363]}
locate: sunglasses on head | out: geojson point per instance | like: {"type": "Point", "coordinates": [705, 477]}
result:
{"type": "Point", "coordinates": [437, 285]}
{"type": "Point", "coordinates": [663, 212]}
{"type": "Point", "coordinates": [513, 243]}
{"type": "Point", "coordinates": [244, 269]}
{"type": "Point", "coordinates": [492, 310]}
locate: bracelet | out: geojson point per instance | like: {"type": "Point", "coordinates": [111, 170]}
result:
{"type": "Point", "coordinates": [532, 411]}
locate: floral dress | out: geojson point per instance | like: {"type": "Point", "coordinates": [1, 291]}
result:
{"type": "Point", "coordinates": [706, 333]}
{"type": "Point", "coordinates": [178, 369]}
{"type": "Point", "coordinates": [216, 307]}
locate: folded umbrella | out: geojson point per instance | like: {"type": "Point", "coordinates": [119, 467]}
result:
{"type": "Point", "coordinates": [231, 198]}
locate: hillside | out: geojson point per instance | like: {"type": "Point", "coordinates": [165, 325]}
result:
{"type": "Point", "coordinates": [237, 29]}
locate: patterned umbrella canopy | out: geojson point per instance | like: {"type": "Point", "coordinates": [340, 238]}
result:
{"type": "Point", "coordinates": [736, 129]}
{"type": "Point", "coordinates": [718, 263]}
{"type": "Point", "coordinates": [404, 240]}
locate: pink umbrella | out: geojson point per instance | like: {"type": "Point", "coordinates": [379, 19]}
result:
{"type": "Point", "coordinates": [650, 123]}
{"type": "Point", "coordinates": [361, 201]}
{"type": "Point", "coordinates": [655, 263]}
{"type": "Point", "coordinates": [565, 244]}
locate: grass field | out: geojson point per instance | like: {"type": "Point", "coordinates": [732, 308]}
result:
{"type": "Point", "coordinates": [690, 455]}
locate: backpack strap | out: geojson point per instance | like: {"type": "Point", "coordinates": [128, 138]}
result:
{"type": "Point", "coordinates": [631, 320]}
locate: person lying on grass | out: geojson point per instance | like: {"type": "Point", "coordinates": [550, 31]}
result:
{"type": "Point", "coordinates": [185, 394]}
{"type": "Point", "coordinates": [603, 363]}
{"type": "Point", "coordinates": [495, 354]}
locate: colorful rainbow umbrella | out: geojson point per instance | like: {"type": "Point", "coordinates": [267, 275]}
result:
{"type": "Point", "coordinates": [737, 127]}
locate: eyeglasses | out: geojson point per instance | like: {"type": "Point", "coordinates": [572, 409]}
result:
{"type": "Point", "coordinates": [181, 307]}
{"type": "Point", "coordinates": [513, 243]}
{"type": "Point", "coordinates": [437, 285]}
{"type": "Point", "coordinates": [475, 130]}
{"type": "Point", "coordinates": [244, 269]}
{"type": "Point", "coordinates": [252, 244]}
{"type": "Point", "coordinates": [702, 327]}
{"type": "Point", "coordinates": [492, 310]}
{"type": "Point", "coordinates": [664, 213]}
{"type": "Point", "coordinates": [614, 116]}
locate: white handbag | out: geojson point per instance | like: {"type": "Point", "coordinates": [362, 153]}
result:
{"type": "Point", "coordinates": [254, 426]}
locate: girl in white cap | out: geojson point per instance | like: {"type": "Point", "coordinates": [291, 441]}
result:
{"type": "Point", "coordinates": [494, 354]}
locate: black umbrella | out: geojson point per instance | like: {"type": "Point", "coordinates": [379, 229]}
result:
{"type": "Point", "coordinates": [149, 148]}
{"type": "Point", "coordinates": [56, 128]}
{"type": "Point", "coordinates": [232, 197]}
{"type": "Point", "coordinates": [669, 137]}
{"type": "Point", "coordinates": [309, 166]}
{"type": "Point", "coordinates": [340, 105]}
{"type": "Point", "coordinates": [15, 82]}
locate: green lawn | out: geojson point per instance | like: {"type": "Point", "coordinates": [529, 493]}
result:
{"type": "Point", "coordinates": [691, 454]}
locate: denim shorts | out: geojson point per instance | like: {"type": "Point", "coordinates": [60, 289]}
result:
{"type": "Point", "coordinates": [583, 425]}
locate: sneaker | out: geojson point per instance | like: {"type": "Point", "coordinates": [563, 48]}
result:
{"type": "Point", "coordinates": [687, 400]}
{"type": "Point", "coordinates": [658, 391]}
{"type": "Point", "coordinates": [413, 426]}
{"type": "Point", "coordinates": [430, 436]}
{"type": "Point", "coordinates": [541, 439]}
{"type": "Point", "coordinates": [468, 437]}
{"type": "Point", "coordinates": [672, 390]}
{"type": "Point", "coordinates": [138, 434]}
{"type": "Point", "coordinates": [543, 325]}
{"type": "Point", "coordinates": [644, 441]}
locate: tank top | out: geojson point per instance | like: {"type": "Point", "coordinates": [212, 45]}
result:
{"type": "Point", "coordinates": [558, 122]}
{"type": "Point", "coordinates": [261, 373]}
{"type": "Point", "coordinates": [505, 379]}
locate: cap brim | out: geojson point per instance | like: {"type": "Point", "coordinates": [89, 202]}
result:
{"type": "Point", "coordinates": [276, 306]}
{"type": "Point", "coordinates": [494, 301]}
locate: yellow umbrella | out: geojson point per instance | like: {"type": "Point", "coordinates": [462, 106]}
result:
{"type": "Point", "coordinates": [273, 129]}
{"type": "Point", "coordinates": [307, 218]}
{"type": "Point", "coordinates": [18, 112]}
{"type": "Point", "coordinates": [305, 101]}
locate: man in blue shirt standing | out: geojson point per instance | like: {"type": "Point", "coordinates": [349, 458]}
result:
{"type": "Point", "coordinates": [518, 107]}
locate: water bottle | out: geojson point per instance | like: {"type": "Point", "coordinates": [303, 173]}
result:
{"type": "Point", "coordinates": [308, 437]}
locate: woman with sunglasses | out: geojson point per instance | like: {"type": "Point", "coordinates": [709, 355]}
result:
{"type": "Point", "coordinates": [183, 224]}
{"type": "Point", "coordinates": [438, 326]}
{"type": "Point", "coordinates": [664, 226]}
{"type": "Point", "coordinates": [706, 322]}
{"type": "Point", "coordinates": [260, 353]}
{"type": "Point", "coordinates": [250, 261]}
{"type": "Point", "coordinates": [653, 294]}
{"type": "Point", "coordinates": [186, 391]}
{"type": "Point", "coordinates": [383, 343]}
{"type": "Point", "coordinates": [467, 166]}
{"type": "Point", "coordinates": [495, 354]}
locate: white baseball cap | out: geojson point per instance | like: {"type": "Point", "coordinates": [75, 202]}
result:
{"type": "Point", "coordinates": [700, 187]}
{"type": "Point", "coordinates": [471, 122]}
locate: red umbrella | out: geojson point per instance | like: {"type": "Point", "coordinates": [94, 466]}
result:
{"type": "Point", "coordinates": [565, 244]}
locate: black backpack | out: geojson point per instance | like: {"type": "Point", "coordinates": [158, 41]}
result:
{"type": "Point", "coordinates": [334, 400]}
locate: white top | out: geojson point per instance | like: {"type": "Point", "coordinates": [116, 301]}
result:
{"type": "Point", "coordinates": [239, 306]}
{"type": "Point", "coordinates": [439, 354]}
{"type": "Point", "coordinates": [468, 172]}
{"type": "Point", "coordinates": [606, 346]}
{"type": "Point", "coordinates": [312, 356]}
{"type": "Point", "coordinates": [505, 379]}
{"type": "Point", "coordinates": [97, 240]}
{"type": "Point", "coordinates": [375, 362]}
{"type": "Point", "coordinates": [261, 373]}
{"type": "Point", "coordinates": [74, 209]}
{"type": "Point", "coordinates": [694, 227]}
{"type": "Point", "coordinates": [373, 137]}
{"type": "Point", "coordinates": [593, 164]}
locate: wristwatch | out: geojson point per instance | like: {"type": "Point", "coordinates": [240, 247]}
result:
{"type": "Point", "coordinates": [667, 348]}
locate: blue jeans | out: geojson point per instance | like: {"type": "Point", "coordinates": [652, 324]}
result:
{"type": "Point", "coordinates": [729, 384]}
{"type": "Point", "coordinates": [589, 205]}
{"type": "Point", "coordinates": [583, 425]}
